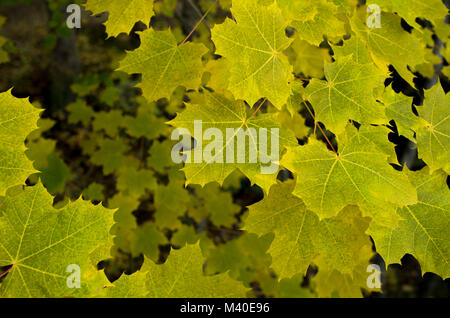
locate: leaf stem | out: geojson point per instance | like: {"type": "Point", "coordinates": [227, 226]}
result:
{"type": "Point", "coordinates": [198, 23]}
{"type": "Point", "coordinates": [6, 272]}
{"type": "Point", "coordinates": [257, 109]}
{"type": "Point", "coordinates": [317, 125]}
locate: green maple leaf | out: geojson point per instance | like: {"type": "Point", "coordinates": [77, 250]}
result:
{"type": "Point", "coordinates": [348, 93]}
{"type": "Point", "coordinates": [110, 155]}
{"type": "Point", "coordinates": [108, 121]}
{"type": "Point", "coordinates": [341, 241]}
{"type": "Point", "coordinates": [182, 276]}
{"type": "Point", "coordinates": [79, 111]}
{"type": "Point", "coordinates": [300, 237]}
{"type": "Point", "coordinates": [185, 235]}
{"type": "Point", "coordinates": [359, 174]}
{"type": "Point", "coordinates": [218, 204]}
{"type": "Point", "coordinates": [292, 288]}
{"type": "Point", "coordinates": [135, 182]}
{"type": "Point", "coordinates": [128, 286]}
{"type": "Point", "coordinates": [145, 124]}
{"type": "Point", "coordinates": [329, 282]}
{"type": "Point", "coordinates": [146, 240]}
{"type": "Point", "coordinates": [423, 230]}
{"type": "Point", "coordinates": [433, 135]}
{"type": "Point", "coordinates": [122, 14]}
{"type": "Point", "coordinates": [326, 23]}
{"type": "Point", "coordinates": [301, 10]}
{"type": "Point", "coordinates": [218, 112]}
{"type": "Point", "coordinates": [308, 59]}
{"type": "Point", "coordinates": [18, 118]}
{"type": "Point", "coordinates": [245, 258]}
{"type": "Point", "coordinates": [171, 203]}
{"type": "Point", "coordinates": [42, 242]}
{"type": "Point", "coordinates": [38, 151]}
{"type": "Point", "coordinates": [378, 137]}
{"type": "Point", "coordinates": [346, 6]}
{"type": "Point", "coordinates": [432, 10]}
{"type": "Point", "coordinates": [217, 76]}
{"type": "Point", "coordinates": [253, 46]}
{"type": "Point", "coordinates": [399, 108]}
{"type": "Point", "coordinates": [356, 48]}
{"type": "Point", "coordinates": [164, 64]}
{"type": "Point", "coordinates": [293, 225]}
{"type": "Point", "coordinates": [389, 44]}
{"type": "Point", "coordinates": [94, 192]}
{"type": "Point", "coordinates": [55, 175]}
{"type": "Point", "coordinates": [160, 158]}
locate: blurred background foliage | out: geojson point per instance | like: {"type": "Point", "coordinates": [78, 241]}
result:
{"type": "Point", "coordinates": [100, 139]}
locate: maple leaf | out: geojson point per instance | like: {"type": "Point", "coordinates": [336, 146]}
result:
{"type": "Point", "coordinates": [326, 23]}
{"type": "Point", "coordinates": [341, 241]}
{"type": "Point", "coordinates": [110, 155]}
{"type": "Point", "coordinates": [185, 235]}
{"type": "Point", "coordinates": [127, 286]}
{"type": "Point", "coordinates": [218, 112]}
{"type": "Point", "coordinates": [171, 202]}
{"type": "Point", "coordinates": [135, 182]}
{"type": "Point", "coordinates": [423, 230]}
{"type": "Point", "coordinates": [348, 93]}
{"type": "Point", "coordinates": [182, 276]}
{"type": "Point", "coordinates": [293, 225]}
{"type": "Point", "coordinates": [94, 192]}
{"type": "Point", "coordinates": [218, 76]}
{"type": "Point", "coordinates": [145, 124]}
{"type": "Point", "coordinates": [146, 240]}
{"type": "Point", "coordinates": [300, 237]}
{"type": "Point", "coordinates": [399, 108]}
{"type": "Point", "coordinates": [433, 134]}
{"type": "Point", "coordinates": [18, 118]}
{"type": "Point", "coordinates": [245, 258]}
{"type": "Point", "coordinates": [217, 204]}
{"type": "Point", "coordinates": [301, 10]}
{"type": "Point", "coordinates": [389, 44]}
{"type": "Point", "coordinates": [160, 155]}
{"type": "Point", "coordinates": [80, 112]}
{"type": "Point", "coordinates": [359, 174]}
{"type": "Point", "coordinates": [357, 49]}
{"type": "Point", "coordinates": [55, 175]}
{"type": "Point", "coordinates": [330, 282]}
{"type": "Point", "coordinates": [122, 14]}
{"type": "Point", "coordinates": [308, 59]}
{"type": "Point", "coordinates": [109, 122]}
{"type": "Point", "coordinates": [42, 242]}
{"type": "Point", "coordinates": [432, 10]}
{"type": "Point", "coordinates": [164, 64]}
{"type": "Point", "coordinates": [253, 46]}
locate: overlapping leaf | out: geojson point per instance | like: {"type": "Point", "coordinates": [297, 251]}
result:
{"type": "Point", "coordinates": [433, 135]}
{"type": "Point", "coordinates": [182, 276]}
{"type": "Point", "coordinates": [220, 113]}
{"type": "Point", "coordinates": [423, 230]}
{"type": "Point", "coordinates": [122, 14]}
{"type": "Point", "coordinates": [164, 64]}
{"type": "Point", "coordinates": [327, 182]}
{"type": "Point", "coordinates": [42, 242]}
{"type": "Point", "coordinates": [18, 118]}
{"type": "Point", "coordinates": [348, 93]}
{"type": "Point", "coordinates": [253, 46]}
{"type": "Point", "coordinates": [294, 227]}
{"type": "Point", "coordinates": [390, 44]}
